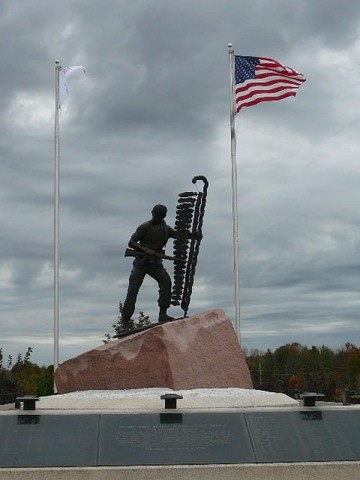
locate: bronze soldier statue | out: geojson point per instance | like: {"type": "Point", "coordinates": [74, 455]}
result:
{"type": "Point", "coordinates": [148, 241]}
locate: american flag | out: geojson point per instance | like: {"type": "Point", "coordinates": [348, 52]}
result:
{"type": "Point", "coordinates": [262, 79]}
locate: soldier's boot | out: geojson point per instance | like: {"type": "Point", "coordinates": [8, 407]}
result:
{"type": "Point", "coordinates": [126, 324]}
{"type": "Point", "coordinates": [164, 317]}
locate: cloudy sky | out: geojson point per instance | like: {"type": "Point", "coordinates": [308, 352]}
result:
{"type": "Point", "coordinates": [151, 112]}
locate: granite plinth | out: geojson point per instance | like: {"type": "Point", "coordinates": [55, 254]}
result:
{"type": "Point", "coordinates": [201, 351]}
{"type": "Point", "coordinates": [179, 438]}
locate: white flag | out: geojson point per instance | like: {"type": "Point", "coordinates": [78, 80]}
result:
{"type": "Point", "coordinates": [64, 75]}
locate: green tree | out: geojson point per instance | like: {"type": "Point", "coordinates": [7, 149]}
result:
{"type": "Point", "coordinates": [9, 387]}
{"type": "Point", "coordinates": [141, 321]}
{"type": "Point", "coordinates": [24, 378]}
{"type": "Point", "coordinates": [352, 365]}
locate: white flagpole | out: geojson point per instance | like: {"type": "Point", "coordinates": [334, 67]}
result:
{"type": "Point", "coordinates": [234, 191]}
{"type": "Point", "coordinates": [56, 218]}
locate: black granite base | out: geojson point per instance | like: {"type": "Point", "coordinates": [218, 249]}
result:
{"type": "Point", "coordinates": [35, 440]}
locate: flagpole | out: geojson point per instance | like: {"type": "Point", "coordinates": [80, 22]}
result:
{"type": "Point", "coordinates": [56, 218]}
{"type": "Point", "coordinates": [234, 192]}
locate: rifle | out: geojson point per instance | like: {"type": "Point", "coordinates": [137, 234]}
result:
{"type": "Point", "coordinates": [129, 252]}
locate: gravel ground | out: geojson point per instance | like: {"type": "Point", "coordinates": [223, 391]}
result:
{"type": "Point", "coordinates": [149, 399]}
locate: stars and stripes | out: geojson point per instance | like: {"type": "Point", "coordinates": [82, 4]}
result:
{"type": "Point", "coordinates": [261, 79]}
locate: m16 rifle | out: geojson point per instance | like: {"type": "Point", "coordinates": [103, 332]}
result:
{"type": "Point", "coordinates": [129, 252]}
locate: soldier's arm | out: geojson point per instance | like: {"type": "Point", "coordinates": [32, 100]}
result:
{"type": "Point", "coordinates": [135, 245]}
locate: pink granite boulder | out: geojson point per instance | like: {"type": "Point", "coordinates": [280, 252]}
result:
{"type": "Point", "coordinates": [201, 351]}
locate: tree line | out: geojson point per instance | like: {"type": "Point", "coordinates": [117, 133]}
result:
{"type": "Point", "coordinates": [22, 377]}
{"type": "Point", "coordinates": [290, 369]}
{"type": "Point", "coordinates": [295, 368]}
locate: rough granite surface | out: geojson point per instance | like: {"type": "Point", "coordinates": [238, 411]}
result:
{"type": "Point", "coordinates": [201, 351]}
